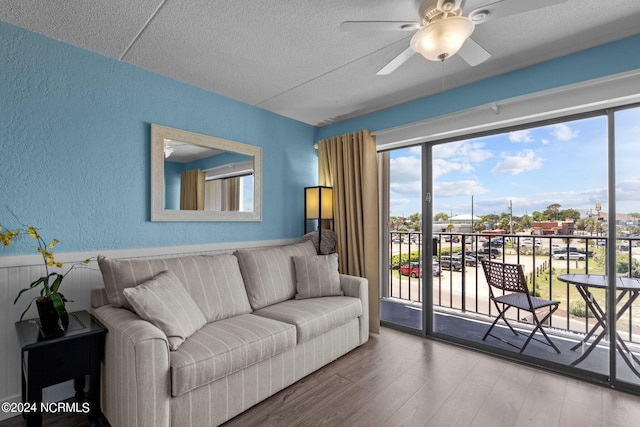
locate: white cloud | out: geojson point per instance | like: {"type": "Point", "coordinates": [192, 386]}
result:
{"type": "Point", "coordinates": [443, 167]}
{"type": "Point", "coordinates": [405, 169]}
{"type": "Point", "coordinates": [462, 151]}
{"type": "Point", "coordinates": [458, 188]}
{"type": "Point", "coordinates": [460, 157]}
{"type": "Point", "coordinates": [416, 150]}
{"type": "Point", "coordinates": [526, 160]}
{"type": "Point", "coordinates": [521, 136]}
{"type": "Point", "coordinates": [628, 189]}
{"type": "Point", "coordinates": [406, 178]}
{"type": "Point", "coordinates": [411, 188]}
{"type": "Point", "coordinates": [399, 202]}
{"type": "Point", "coordinates": [563, 132]}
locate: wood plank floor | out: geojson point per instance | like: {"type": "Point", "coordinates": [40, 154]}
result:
{"type": "Point", "coordinates": [397, 379]}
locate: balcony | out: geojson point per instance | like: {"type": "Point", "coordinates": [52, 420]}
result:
{"type": "Point", "coordinates": [461, 296]}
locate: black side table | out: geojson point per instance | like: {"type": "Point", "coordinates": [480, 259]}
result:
{"type": "Point", "coordinates": [46, 362]}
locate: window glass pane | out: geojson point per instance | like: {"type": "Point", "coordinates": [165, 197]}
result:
{"type": "Point", "coordinates": [402, 290]}
{"type": "Point", "coordinates": [535, 197]}
{"type": "Point", "coordinates": [627, 136]}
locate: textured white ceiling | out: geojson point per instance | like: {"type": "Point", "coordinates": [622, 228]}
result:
{"type": "Point", "coordinates": [289, 57]}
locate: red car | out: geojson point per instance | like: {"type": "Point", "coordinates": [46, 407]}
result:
{"type": "Point", "coordinates": [412, 269]}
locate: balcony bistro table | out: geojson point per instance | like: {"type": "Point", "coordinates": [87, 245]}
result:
{"type": "Point", "coordinates": [626, 286]}
{"type": "Point", "coordinates": [46, 362]}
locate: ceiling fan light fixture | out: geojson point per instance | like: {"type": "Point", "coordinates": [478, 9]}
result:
{"type": "Point", "coordinates": [443, 38]}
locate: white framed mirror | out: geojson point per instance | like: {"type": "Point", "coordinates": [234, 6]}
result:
{"type": "Point", "coordinates": [196, 177]}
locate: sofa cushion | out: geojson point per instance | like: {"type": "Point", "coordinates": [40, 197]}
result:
{"type": "Point", "coordinates": [314, 316]}
{"type": "Point", "coordinates": [227, 346]}
{"type": "Point", "coordinates": [214, 282]}
{"type": "Point", "coordinates": [269, 274]}
{"type": "Point", "coordinates": [317, 276]}
{"type": "Point", "coordinates": [164, 302]}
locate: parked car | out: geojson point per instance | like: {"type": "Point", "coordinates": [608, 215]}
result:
{"type": "Point", "coordinates": [454, 239]}
{"type": "Point", "coordinates": [495, 242]}
{"type": "Point", "coordinates": [573, 249]}
{"type": "Point", "coordinates": [436, 268]}
{"type": "Point", "coordinates": [450, 263]}
{"type": "Point", "coordinates": [492, 252]}
{"type": "Point", "coordinates": [570, 255]}
{"type": "Point", "coordinates": [469, 260]}
{"type": "Point", "coordinates": [478, 255]}
{"type": "Point", "coordinates": [413, 269]}
{"type": "Point", "coordinates": [529, 243]}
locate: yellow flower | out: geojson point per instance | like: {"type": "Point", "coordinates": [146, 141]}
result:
{"type": "Point", "coordinates": [32, 231]}
{"type": "Point", "coordinates": [86, 261]}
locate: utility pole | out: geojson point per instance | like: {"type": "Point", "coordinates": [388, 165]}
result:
{"type": "Point", "coordinates": [472, 229]}
{"type": "Point", "coordinates": [511, 217]}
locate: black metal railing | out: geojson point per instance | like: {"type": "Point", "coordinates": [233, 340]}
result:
{"type": "Point", "coordinates": [459, 283]}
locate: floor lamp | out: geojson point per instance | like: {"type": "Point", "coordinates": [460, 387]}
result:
{"type": "Point", "coordinates": [318, 205]}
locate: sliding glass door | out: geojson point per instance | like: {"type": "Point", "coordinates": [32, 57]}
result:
{"type": "Point", "coordinates": [560, 198]}
{"type": "Point", "coordinates": [626, 133]}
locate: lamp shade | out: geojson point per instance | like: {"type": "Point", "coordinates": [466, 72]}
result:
{"type": "Point", "coordinates": [318, 203]}
{"type": "Point", "coordinates": [443, 38]}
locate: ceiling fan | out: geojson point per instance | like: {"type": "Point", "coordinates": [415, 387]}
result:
{"type": "Point", "coordinates": [445, 28]}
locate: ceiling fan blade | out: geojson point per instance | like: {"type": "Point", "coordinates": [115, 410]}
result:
{"type": "Point", "coordinates": [473, 53]}
{"type": "Point", "coordinates": [396, 62]}
{"type": "Point", "coordinates": [502, 8]}
{"type": "Point", "coordinates": [379, 26]}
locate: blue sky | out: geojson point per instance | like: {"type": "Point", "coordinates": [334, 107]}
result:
{"type": "Point", "coordinates": [563, 163]}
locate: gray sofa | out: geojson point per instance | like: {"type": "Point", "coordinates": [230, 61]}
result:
{"type": "Point", "coordinates": [253, 331]}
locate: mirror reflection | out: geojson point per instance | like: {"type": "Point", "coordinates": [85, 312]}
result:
{"type": "Point", "coordinates": [197, 177]}
{"type": "Point", "coordinates": [203, 178]}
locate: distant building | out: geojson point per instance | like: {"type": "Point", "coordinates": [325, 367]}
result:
{"type": "Point", "coordinates": [457, 224]}
{"type": "Point", "coordinates": [553, 227]}
{"type": "Point", "coordinates": [622, 220]}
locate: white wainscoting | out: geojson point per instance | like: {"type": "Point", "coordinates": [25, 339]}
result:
{"type": "Point", "coordinates": [17, 272]}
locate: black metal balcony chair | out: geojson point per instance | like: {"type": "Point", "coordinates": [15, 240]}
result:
{"type": "Point", "coordinates": [510, 279]}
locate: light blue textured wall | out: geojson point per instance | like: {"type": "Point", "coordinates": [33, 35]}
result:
{"type": "Point", "coordinates": [74, 147]}
{"type": "Point", "coordinates": [611, 58]}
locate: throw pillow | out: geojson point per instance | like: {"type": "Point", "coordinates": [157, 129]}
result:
{"type": "Point", "coordinates": [324, 246]}
{"type": "Point", "coordinates": [317, 276]}
{"type": "Point", "coordinates": [164, 302]}
{"type": "Point", "coordinates": [269, 274]}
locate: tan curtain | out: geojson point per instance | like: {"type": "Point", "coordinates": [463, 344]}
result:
{"type": "Point", "coordinates": [213, 195]}
{"type": "Point", "coordinates": [348, 163]}
{"type": "Point", "coordinates": [192, 190]}
{"type": "Point", "coordinates": [233, 194]}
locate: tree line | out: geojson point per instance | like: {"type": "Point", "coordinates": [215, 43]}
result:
{"type": "Point", "coordinates": [502, 221]}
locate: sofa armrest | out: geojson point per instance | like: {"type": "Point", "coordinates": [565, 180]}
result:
{"type": "Point", "coordinates": [358, 287]}
{"type": "Point", "coordinates": [136, 382]}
